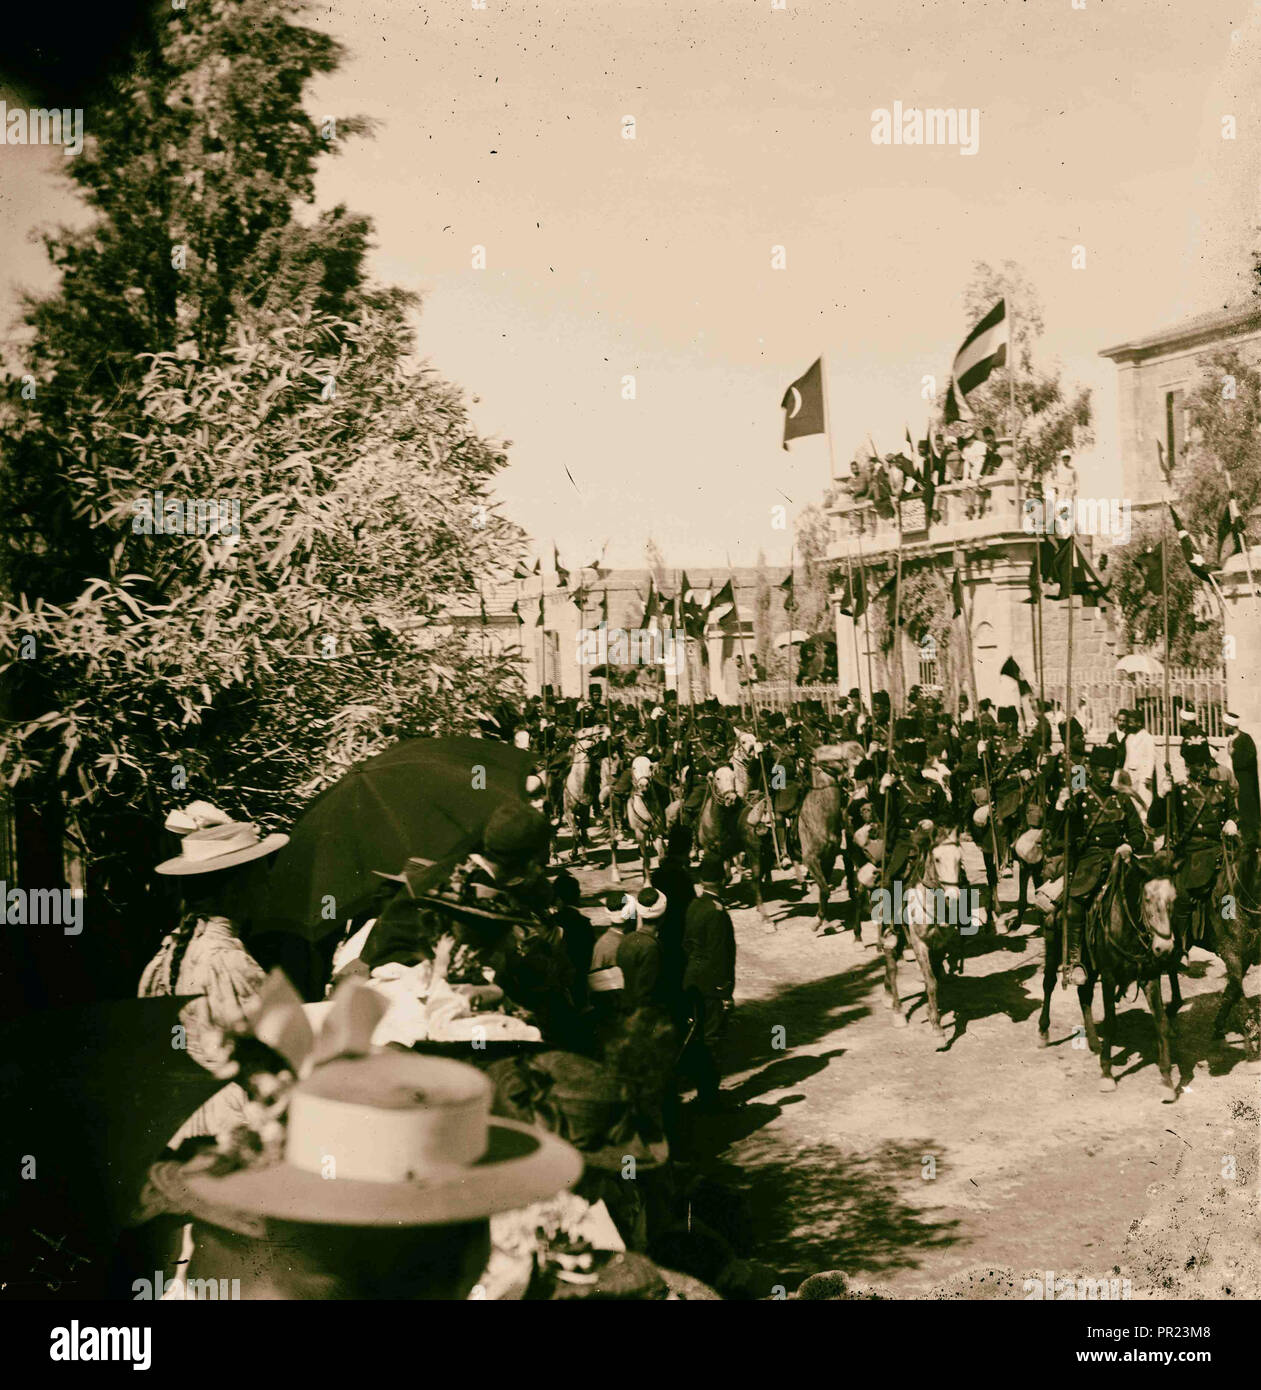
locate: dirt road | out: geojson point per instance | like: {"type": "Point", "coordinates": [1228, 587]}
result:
{"type": "Point", "coordinates": [918, 1166]}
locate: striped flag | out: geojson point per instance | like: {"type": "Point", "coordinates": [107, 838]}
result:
{"type": "Point", "coordinates": [983, 349]}
{"type": "Point", "coordinates": [1191, 552]}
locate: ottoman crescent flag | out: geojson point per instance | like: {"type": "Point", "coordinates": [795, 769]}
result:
{"type": "Point", "coordinates": [803, 404]}
{"type": "Point", "coordinates": [983, 349]}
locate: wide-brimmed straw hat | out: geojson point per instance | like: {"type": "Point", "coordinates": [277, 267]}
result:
{"type": "Point", "coordinates": [220, 847]}
{"type": "Point", "coordinates": [413, 1143]}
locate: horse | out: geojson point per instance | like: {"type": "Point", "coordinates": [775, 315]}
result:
{"type": "Point", "coordinates": [1128, 938]}
{"type": "Point", "coordinates": [934, 911]}
{"type": "Point", "coordinates": [821, 823]}
{"type": "Point", "coordinates": [577, 794]}
{"type": "Point", "coordinates": [610, 771]}
{"type": "Point", "coordinates": [645, 815]}
{"type": "Point", "coordinates": [1236, 939]}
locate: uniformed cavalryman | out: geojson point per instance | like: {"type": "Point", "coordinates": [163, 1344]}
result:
{"type": "Point", "coordinates": [1100, 822]}
{"type": "Point", "coordinates": [913, 798]}
{"type": "Point", "coordinates": [1203, 810]}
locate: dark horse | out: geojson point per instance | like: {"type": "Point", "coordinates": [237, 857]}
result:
{"type": "Point", "coordinates": [1236, 938]}
{"type": "Point", "coordinates": [821, 822]}
{"type": "Point", "coordinates": [1128, 939]}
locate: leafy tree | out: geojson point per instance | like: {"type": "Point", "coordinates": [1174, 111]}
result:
{"type": "Point", "coordinates": [206, 342]}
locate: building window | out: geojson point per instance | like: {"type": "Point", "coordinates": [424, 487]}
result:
{"type": "Point", "coordinates": [1175, 427]}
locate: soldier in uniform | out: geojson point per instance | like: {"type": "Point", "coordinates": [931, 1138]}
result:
{"type": "Point", "coordinates": [1100, 823]}
{"type": "Point", "coordinates": [1203, 811]}
{"type": "Point", "coordinates": [1243, 763]}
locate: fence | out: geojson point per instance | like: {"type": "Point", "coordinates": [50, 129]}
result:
{"type": "Point", "coordinates": [1104, 692]}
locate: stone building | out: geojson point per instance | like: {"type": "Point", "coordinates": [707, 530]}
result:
{"type": "Point", "coordinates": [1155, 375]}
{"type": "Point", "coordinates": [557, 653]}
{"type": "Point", "coordinates": [992, 547]}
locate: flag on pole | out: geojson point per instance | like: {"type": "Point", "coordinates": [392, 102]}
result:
{"type": "Point", "coordinates": [562, 574]}
{"type": "Point", "coordinates": [538, 622]}
{"type": "Point", "coordinates": [604, 606]}
{"type": "Point", "coordinates": [538, 567]}
{"type": "Point", "coordinates": [1085, 582]}
{"type": "Point", "coordinates": [803, 404]}
{"type": "Point", "coordinates": [481, 603]}
{"type": "Point", "coordinates": [1191, 552]}
{"type": "Point", "coordinates": [520, 572]}
{"type": "Point", "coordinates": [956, 594]}
{"type": "Point", "coordinates": [1011, 669]}
{"type": "Point", "coordinates": [790, 601]}
{"type": "Point", "coordinates": [853, 601]}
{"type": "Point", "coordinates": [1047, 553]}
{"type": "Point", "coordinates": [652, 604]}
{"type": "Point", "coordinates": [722, 605]}
{"type": "Point", "coordinates": [985, 348]}
{"type": "Point", "coordinates": [516, 612]}
{"type": "Point", "coordinates": [580, 597]}
{"type": "Point", "coordinates": [1230, 532]}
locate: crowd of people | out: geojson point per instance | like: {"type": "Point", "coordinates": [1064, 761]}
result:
{"type": "Point", "coordinates": [595, 1023]}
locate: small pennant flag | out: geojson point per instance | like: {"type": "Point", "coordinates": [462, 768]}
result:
{"type": "Point", "coordinates": [538, 567]}
{"type": "Point", "coordinates": [1086, 584]}
{"type": "Point", "coordinates": [516, 612]}
{"type": "Point", "coordinates": [803, 404]}
{"type": "Point", "coordinates": [538, 622]}
{"type": "Point", "coordinates": [790, 600]}
{"type": "Point", "coordinates": [652, 605]}
{"type": "Point", "coordinates": [562, 574]}
{"type": "Point", "coordinates": [956, 593]}
{"type": "Point", "coordinates": [854, 595]}
{"type": "Point", "coordinates": [520, 571]}
{"type": "Point", "coordinates": [1012, 670]}
{"type": "Point", "coordinates": [983, 349]}
{"type": "Point", "coordinates": [722, 605]}
{"type": "Point", "coordinates": [1191, 552]}
{"type": "Point", "coordinates": [1230, 532]}
{"type": "Point", "coordinates": [604, 605]}
{"type": "Point", "coordinates": [580, 598]}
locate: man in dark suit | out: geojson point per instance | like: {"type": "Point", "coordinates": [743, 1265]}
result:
{"type": "Point", "coordinates": [1243, 762]}
{"type": "Point", "coordinates": [709, 979]}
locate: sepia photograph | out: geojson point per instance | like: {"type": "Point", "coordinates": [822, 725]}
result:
{"type": "Point", "coordinates": [630, 655]}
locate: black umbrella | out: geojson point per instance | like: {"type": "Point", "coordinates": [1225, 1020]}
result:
{"type": "Point", "coordinates": [427, 798]}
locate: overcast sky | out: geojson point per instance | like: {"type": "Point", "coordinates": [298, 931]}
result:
{"type": "Point", "coordinates": [651, 257]}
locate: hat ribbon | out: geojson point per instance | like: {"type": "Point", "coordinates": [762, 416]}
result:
{"type": "Point", "coordinates": [277, 1019]}
{"type": "Point", "coordinates": [214, 841]}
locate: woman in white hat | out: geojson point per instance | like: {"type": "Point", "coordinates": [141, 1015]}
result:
{"type": "Point", "coordinates": [204, 955]}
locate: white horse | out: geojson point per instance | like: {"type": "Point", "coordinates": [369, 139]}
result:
{"type": "Point", "coordinates": [645, 816]}
{"type": "Point", "coordinates": [576, 794]}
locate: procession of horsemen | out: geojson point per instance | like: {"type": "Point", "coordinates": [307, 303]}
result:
{"type": "Point", "coordinates": [1129, 864]}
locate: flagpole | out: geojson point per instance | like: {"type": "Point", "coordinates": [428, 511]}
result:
{"type": "Point", "coordinates": [1241, 536]}
{"type": "Point", "coordinates": [862, 570]}
{"type": "Point", "coordinates": [853, 621]}
{"type": "Point", "coordinates": [1040, 643]}
{"type": "Point", "coordinates": [888, 755]}
{"type": "Point", "coordinates": [770, 804]}
{"type": "Point", "coordinates": [1164, 603]}
{"type": "Point", "coordinates": [792, 589]}
{"type": "Point", "coordinates": [983, 741]}
{"type": "Point", "coordinates": [1068, 755]}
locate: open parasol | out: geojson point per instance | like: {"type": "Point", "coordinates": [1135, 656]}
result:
{"type": "Point", "coordinates": [426, 798]}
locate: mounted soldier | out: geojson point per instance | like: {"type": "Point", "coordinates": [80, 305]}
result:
{"type": "Point", "coordinates": [1100, 822]}
{"type": "Point", "coordinates": [1199, 812]}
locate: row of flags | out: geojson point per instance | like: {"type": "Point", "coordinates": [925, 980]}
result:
{"type": "Point", "coordinates": [986, 347]}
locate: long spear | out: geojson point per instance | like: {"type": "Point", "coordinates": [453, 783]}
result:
{"type": "Point", "coordinates": [862, 570]}
{"type": "Point", "coordinates": [983, 742]}
{"type": "Point", "coordinates": [1068, 754]}
{"type": "Point", "coordinates": [853, 620]}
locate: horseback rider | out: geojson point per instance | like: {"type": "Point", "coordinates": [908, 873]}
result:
{"type": "Point", "coordinates": [1203, 811]}
{"type": "Point", "coordinates": [1101, 823]}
